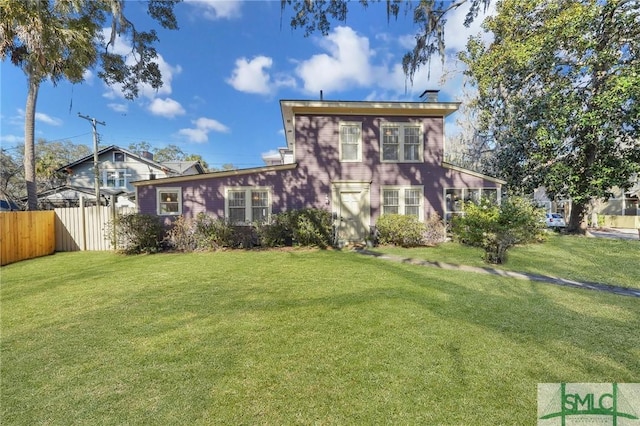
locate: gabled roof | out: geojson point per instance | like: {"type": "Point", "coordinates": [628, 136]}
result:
{"type": "Point", "coordinates": [472, 173]}
{"type": "Point", "coordinates": [290, 108]}
{"type": "Point", "coordinates": [80, 189]}
{"type": "Point", "coordinates": [139, 158]}
{"type": "Point", "coordinates": [182, 166]}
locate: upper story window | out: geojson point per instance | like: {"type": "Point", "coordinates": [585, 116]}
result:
{"type": "Point", "coordinates": [114, 178]}
{"type": "Point", "coordinates": [118, 157]}
{"type": "Point", "coordinates": [169, 201]}
{"type": "Point", "coordinates": [401, 142]}
{"type": "Point", "coordinates": [407, 200]}
{"type": "Point", "coordinates": [246, 205]}
{"type": "Point", "coordinates": [350, 141]}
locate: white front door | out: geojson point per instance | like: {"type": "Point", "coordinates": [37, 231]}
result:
{"type": "Point", "coordinates": [351, 209]}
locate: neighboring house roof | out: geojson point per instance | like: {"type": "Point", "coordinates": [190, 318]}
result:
{"type": "Point", "coordinates": [219, 174]}
{"type": "Point", "coordinates": [171, 167]}
{"type": "Point", "coordinates": [7, 204]}
{"type": "Point", "coordinates": [182, 167]}
{"type": "Point", "coordinates": [404, 109]}
{"type": "Point", "coordinates": [71, 192]}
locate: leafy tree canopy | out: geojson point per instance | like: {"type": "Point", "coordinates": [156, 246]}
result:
{"type": "Point", "coordinates": [60, 39]}
{"type": "Point", "coordinates": [559, 90]}
{"type": "Point", "coordinates": [429, 16]}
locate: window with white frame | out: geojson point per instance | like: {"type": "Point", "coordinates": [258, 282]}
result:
{"type": "Point", "coordinates": [244, 205]}
{"type": "Point", "coordinates": [169, 201]}
{"type": "Point", "coordinates": [455, 198]}
{"type": "Point", "coordinates": [350, 141]}
{"type": "Point", "coordinates": [116, 178]}
{"type": "Point", "coordinates": [408, 200]}
{"type": "Point", "coordinates": [401, 142]}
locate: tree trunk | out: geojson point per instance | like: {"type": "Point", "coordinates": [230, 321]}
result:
{"type": "Point", "coordinates": [577, 223]}
{"type": "Point", "coordinates": [29, 143]}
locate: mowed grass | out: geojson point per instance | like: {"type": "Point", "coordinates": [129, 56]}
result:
{"type": "Point", "coordinates": [601, 260]}
{"type": "Point", "coordinates": [294, 337]}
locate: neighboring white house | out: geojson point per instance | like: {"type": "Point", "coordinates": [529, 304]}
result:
{"type": "Point", "coordinates": [117, 168]}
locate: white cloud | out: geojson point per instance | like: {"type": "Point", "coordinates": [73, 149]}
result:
{"type": "Point", "coordinates": [40, 117]}
{"type": "Point", "coordinates": [251, 76]}
{"type": "Point", "coordinates": [166, 107]}
{"type": "Point", "coordinates": [122, 108]}
{"type": "Point", "coordinates": [456, 34]}
{"type": "Point", "coordinates": [218, 9]}
{"type": "Point", "coordinates": [12, 139]}
{"type": "Point", "coordinates": [347, 63]}
{"type": "Point", "coordinates": [203, 126]}
{"type": "Point", "coordinates": [87, 77]}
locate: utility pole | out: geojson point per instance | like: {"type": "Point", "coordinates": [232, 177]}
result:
{"type": "Point", "coordinates": [96, 171]}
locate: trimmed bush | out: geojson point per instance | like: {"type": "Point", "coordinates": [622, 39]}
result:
{"type": "Point", "coordinates": [136, 233]}
{"type": "Point", "coordinates": [400, 230]}
{"type": "Point", "coordinates": [276, 233]}
{"type": "Point", "coordinates": [305, 227]}
{"type": "Point", "coordinates": [312, 227]}
{"type": "Point", "coordinates": [498, 228]}
{"type": "Point", "coordinates": [213, 233]}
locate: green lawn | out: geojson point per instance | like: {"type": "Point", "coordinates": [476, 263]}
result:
{"type": "Point", "coordinates": [607, 261]}
{"type": "Point", "coordinates": [294, 337]}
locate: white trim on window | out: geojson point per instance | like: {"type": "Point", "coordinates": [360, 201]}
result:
{"type": "Point", "coordinates": [402, 200]}
{"type": "Point", "coordinates": [114, 178]}
{"type": "Point", "coordinates": [246, 204]}
{"type": "Point", "coordinates": [168, 201]}
{"type": "Point", "coordinates": [401, 142]}
{"type": "Point", "coordinates": [350, 141]}
{"type": "Point", "coordinates": [454, 198]}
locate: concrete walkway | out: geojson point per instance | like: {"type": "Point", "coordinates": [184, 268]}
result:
{"type": "Point", "coordinates": [622, 291]}
{"type": "Point", "coordinates": [617, 233]}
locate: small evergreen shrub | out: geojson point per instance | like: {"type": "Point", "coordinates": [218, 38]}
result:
{"type": "Point", "coordinates": [498, 228]}
{"type": "Point", "coordinates": [312, 227]}
{"type": "Point", "coordinates": [136, 233]}
{"type": "Point", "coordinates": [400, 230]}
{"type": "Point", "coordinates": [305, 227]}
{"type": "Point", "coordinates": [213, 233]}
{"type": "Point", "coordinates": [276, 233]}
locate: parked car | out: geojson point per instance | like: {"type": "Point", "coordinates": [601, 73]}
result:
{"type": "Point", "coordinates": [555, 220]}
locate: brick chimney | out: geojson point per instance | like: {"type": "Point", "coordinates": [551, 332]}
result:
{"type": "Point", "coordinates": [429, 96]}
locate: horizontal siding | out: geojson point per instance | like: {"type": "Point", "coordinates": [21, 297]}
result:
{"type": "Point", "coordinates": [317, 154]}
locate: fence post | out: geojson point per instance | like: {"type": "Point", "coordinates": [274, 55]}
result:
{"type": "Point", "coordinates": [114, 213]}
{"type": "Point", "coordinates": [83, 221]}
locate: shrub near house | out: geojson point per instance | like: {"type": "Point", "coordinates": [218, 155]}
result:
{"type": "Point", "coordinates": [498, 228]}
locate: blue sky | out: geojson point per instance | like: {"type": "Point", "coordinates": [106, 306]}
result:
{"type": "Point", "coordinates": [225, 71]}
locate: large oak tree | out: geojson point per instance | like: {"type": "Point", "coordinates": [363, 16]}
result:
{"type": "Point", "coordinates": [61, 39]}
{"type": "Point", "coordinates": [559, 90]}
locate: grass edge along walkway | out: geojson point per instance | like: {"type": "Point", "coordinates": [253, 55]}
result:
{"type": "Point", "coordinates": [622, 291]}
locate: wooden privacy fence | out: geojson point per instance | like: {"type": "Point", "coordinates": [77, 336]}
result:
{"type": "Point", "coordinates": [25, 235]}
